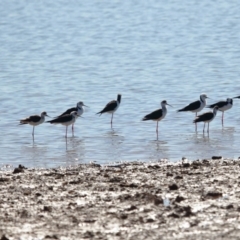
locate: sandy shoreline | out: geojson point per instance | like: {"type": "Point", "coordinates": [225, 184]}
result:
{"type": "Point", "coordinates": [191, 200]}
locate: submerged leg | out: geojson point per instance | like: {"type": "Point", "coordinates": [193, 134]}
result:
{"type": "Point", "coordinates": [33, 133]}
{"type": "Point", "coordinates": [157, 130]}
{"type": "Point", "coordinates": [66, 131]}
{"type": "Point", "coordinates": [111, 120]}
{"type": "Point", "coordinates": [222, 117]}
{"type": "Point", "coordinates": [196, 124]}
{"type": "Point", "coordinates": [203, 127]}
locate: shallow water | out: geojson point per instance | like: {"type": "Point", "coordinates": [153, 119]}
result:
{"type": "Point", "coordinates": [55, 54]}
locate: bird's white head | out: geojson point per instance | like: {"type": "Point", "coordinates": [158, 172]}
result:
{"type": "Point", "coordinates": [164, 103]}
{"type": "Point", "coordinates": [80, 104]}
{"type": "Point", "coordinates": [43, 114]}
{"type": "Point", "coordinates": [203, 96]}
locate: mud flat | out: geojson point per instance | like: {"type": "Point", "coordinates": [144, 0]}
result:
{"type": "Point", "coordinates": [187, 200]}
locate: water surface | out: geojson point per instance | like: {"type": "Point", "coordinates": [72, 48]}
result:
{"type": "Point", "coordinates": [54, 54]}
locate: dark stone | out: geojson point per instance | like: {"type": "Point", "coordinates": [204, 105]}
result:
{"type": "Point", "coordinates": [38, 194]}
{"type": "Point", "coordinates": [47, 208]}
{"type": "Point", "coordinates": [158, 201]}
{"type": "Point", "coordinates": [4, 237]}
{"type": "Point", "coordinates": [186, 165]}
{"type": "Point", "coordinates": [213, 194]}
{"type": "Point", "coordinates": [131, 208]}
{"type": "Point", "coordinates": [174, 215]}
{"type": "Point", "coordinates": [179, 177]}
{"type": "Point", "coordinates": [54, 236]}
{"type": "Point", "coordinates": [4, 179]}
{"type": "Point", "coordinates": [21, 166]}
{"type": "Point", "coordinates": [149, 220]}
{"type": "Point", "coordinates": [216, 157]}
{"type": "Point", "coordinates": [115, 179]}
{"type": "Point", "coordinates": [18, 170]}
{"type": "Point", "coordinates": [173, 186]}
{"type": "Point", "coordinates": [230, 206]}
{"type": "Point", "coordinates": [179, 199]}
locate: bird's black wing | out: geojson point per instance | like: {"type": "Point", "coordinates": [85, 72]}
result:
{"type": "Point", "coordinates": [62, 119]}
{"type": "Point", "coordinates": [109, 107]}
{"type": "Point", "coordinates": [67, 112]}
{"type": "Point", "coordinates": [219, 104]}
{"type": "Point", "coordinates": [153, 115]}
{"type": "Point", "coordinates": [192, 106]}
{"type": "Point", "coordinates": [203, 117]}
{"type": "Point", "coordinates": [33, 118]}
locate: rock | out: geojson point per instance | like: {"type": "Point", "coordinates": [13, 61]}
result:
{"type": "Point", "coordinates": [4, 237]}
{"type": "Point", "coordinates": [54, 236]}
{"type": "Point", "coordinates": [179, 199]}
{"type": "Point", "coordinates": [173, 186]}
{"type": "Point", "coordinates": [131, 208]}
{"type": "Point", "coordinates": [47, 208]}
{"type": "Point", "coordinates": [18, 170]}
{"type": "Point", "coordinates": [216, 157]}
{"type": "Point", "coordinates": [186, 165]}
{"type": "Point", "coordinates": [174, 215]}
{"type": "Point", "coordinates": [213, 194]}
{"type": "Point", "coordinates": [179, 177]}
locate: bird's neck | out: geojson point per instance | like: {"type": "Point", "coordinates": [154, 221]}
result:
{"type": "Point", "coordinates": [215, 112]}
{"type": "Point", "coordinates": [164, 108]}
{"type": "Point", "coordinates": [203, 100]}
{"type": "Point", "coordinates": [119, 98]}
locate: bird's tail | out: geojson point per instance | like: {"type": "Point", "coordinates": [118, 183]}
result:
{"type": "Point", "coordinates": [145, 119]}
{"type": "Point", "coordinates": [22, 122]}
{"type": "Point", "coordinates": [196, 120]}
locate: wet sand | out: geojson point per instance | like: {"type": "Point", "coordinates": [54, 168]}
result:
{"type": "Point", "coordinates": [187, 200]}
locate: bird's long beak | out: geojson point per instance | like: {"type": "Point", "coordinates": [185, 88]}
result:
{"type": "Point", "coordinates": [85, 105]}
{"type": "Point", "coordinates": [169, 105]}
{"type": "Point", "coordinates": [208, 97]}
{"type": "Point", "coordinates": [47, 115]}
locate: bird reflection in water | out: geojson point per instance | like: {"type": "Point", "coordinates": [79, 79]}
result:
{"type": "Point", "coordinates": [113, 143]}
{"type": "Point", "coordinates": [159, 150]}
{"type": "Point", "coordinates": [75, 150]}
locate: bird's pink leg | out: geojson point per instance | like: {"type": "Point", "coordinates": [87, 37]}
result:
{"type": "Point", "coordinates": [111, 120]}
{"type": "Point", "coordinates": [73, 127]}
{"type": "Point", "coordinates": [157, 130]}
{"type": "Point", "coordinates": [222, 117]}
{"type": "Point", "coordinates": [208, 128]}
{"type": "Point", "coordinates": [66, 131]}
{"type": "Point", "coordinates": [33, 133]}
{"type": "Point", "coordinates": [196, 124]}
{"type": "Point", "coordinates": [203, 127]}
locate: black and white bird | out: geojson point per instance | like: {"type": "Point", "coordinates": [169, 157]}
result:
{"type": "Point", "coordinates": [196, 106]}
{"type": "Point", "coordinates": [158, 115]}
{"type": "Point", "coordinates": [206, 117]}
{"type": "Point", "coordinates": [34, 120]}
{"type": "Point", "coordinates": [223, 106]}
{"type": "Point", "coordinates": [65, 120]}
{"type": "Point", "coordinates": [111, 107]}
{"type": "Point", "coordinates": [79, 109]}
